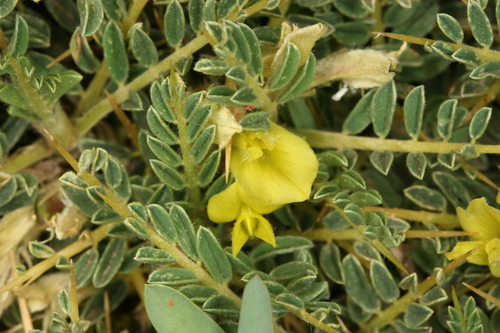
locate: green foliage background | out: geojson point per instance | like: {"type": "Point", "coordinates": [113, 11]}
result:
{"type": "Point", "coordinates": [123, 215]}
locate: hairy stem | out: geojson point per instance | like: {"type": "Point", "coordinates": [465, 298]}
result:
{"type": "Point", "coordinates": [323, 139]}
{"type": "Point", "coordinates": [445, 221]}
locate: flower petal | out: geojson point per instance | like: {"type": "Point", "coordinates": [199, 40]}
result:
{"type": "Point", "coordinates": [225, 206]}
{"type": "Point", "coordinates": [239, 236]}
{"type": "Point", "coordinates": [258, 205]}
{"type": "Point", "coordinates": [493, 251]}
{"type": "Point", "coordinates": [265, 231]}
{"type": "Point", "coordinates": [480, 257]}
{"type": "Point", "coordinates": [482, 218]}
{"type": "Point", "coordinates": [282, 175]}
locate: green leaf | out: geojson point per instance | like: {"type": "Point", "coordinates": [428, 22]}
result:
{"type": "Point", "coordinates": [68, 18]}
{"type": "Point", "coordinates": [329, 260]}
{"type": "Point", "coordinates": [256, 64]}
{"type": "Point", "coordinates": [112, 171]}
{"type": "Point", "coordinates": [115, 52]}
{"type": "Point", "coordinates": [208, 169]}
{"type": "Point", "coordinates": [450, 27]}
{"type": "Point", "coordinates": [467, 56]}
{"type": "Point", "coordinates": [151, 255]}
{"type": "Point", "coordinates": [185, 231]}
{"type": "Point", "coordinates": [174, 23]}
{"type": "Point", "coordinates": [300, 81]}
{"type": "Point", "coordinates": [256, 313]}
{"type": "Point", "coordinates": [286, 69]}
{"type": "Point", "coordinates": [168, 175]}
{"type": "Point", "coordinates": [242, 50]}
{"type": "Point", "coordinates": [221, 306]}
{"type": "Point", "coordinates": [8, 189]}
{"type": "Point", "coordinates": [173, 277]}
{"type": "Point", "coordinates": [290, 301]}
{"type": "Point", "coordinates": [237, 74]}
{"type": "Point", "coordinates": [226, 7]}
{"type": "Point", "coordinates": [366, 198]}
{"type": "Point", "coordinates": [202, 144]}
{"type": "Point", "coordinates": [434, 296]}
{"type": "Point", "coordinates": [192, 103]}
{"type": "Point", "coordinates": [160, 95]}
{"type": "Point", "coordinates": [452, 189]}
{"type": "Point", "coordinates": [136, 227]}
{"type": "Point", "coordinates": [85, 266]}
{"type": "Point", "coordinates": [63, 300]}
{"type": "Point", "coordinates": [212, 256]}
{"type": "Point", "coordinates": [162, 222]}
{"type": "Point", "coordinates": [244, 96]}
{"type": "Point", "coordinates": [360, 117]}
{"type": "Point", "coordinates": [6, 7]}
{"type": "Point", "coordinates": [159, 128]}
{"type": "Point", "coordinates": [382, 160]}
{"type": "Point", "coordinates": [382, 108]}
{"type": "Point", "coordinates": [354, 33]}
{"type": "Point", "coordinates": [446, 117]}
{"type": "Point", "coordinates": [198, 121]}
{"type": "Point", "coordinates": [293, 270]}
{"type": "Point", "coordinates": [143, 47]}
{"type": "Point", "coordinates": [164, 152]}
{"type": "Point", "coordinates": [197, 293]}
{"type": "Point", "coordinates": [417, 314]}
{"type": "Point", "coordinates": [115, 10]}
{"type": "Point", "coordinates": [82, 53]}
{"type": "Point", "coordinates": [479, 123]}
{"type": "Point", "coordinates": [426, 197]}
{"type": "Point", "coordinates": [479, 24]}
{"type": "Point", "coordinates": [284, 244]}
{"type": "Point", "coordinates": [91, 16]}
{"type": "Point", "coordinates": [256, 121]}
{"type": "Point", "coordinates": [195, 11]}
{"type": "Point", "coordinates": [110, 262]}
{"type": "Point", "coordinates": [383, 283]}
{"type": "Point", "coordinates": [74, 189]}
{"type": "Point", "coordinates": [414, 110]}
{"type": "Point", "coordinates": [212, 66]}
{"type": "Point", "coordinates": [416, 163]}
{"type": "Point", "coordinates": [357, 285]}
{"type": "Point", "coordinates": [352, 9]}
{"type": "Point", "coordinates": [39, 250]}
{"type": "Point", "coordinates": [18, 43]}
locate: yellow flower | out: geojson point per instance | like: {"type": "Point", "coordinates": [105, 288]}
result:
{"type": "Point", "coordinates": [485, 220]}
{"type": "Point", "coordinates": [276, 166]}
{"type": "Point", "coordinates": [234, 203]}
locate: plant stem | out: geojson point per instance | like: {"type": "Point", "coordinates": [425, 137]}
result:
{"type": "Point", "coordinates": [484, 54]}
{"type": "Point", "coordinates": [323, 139]}
{"type": "Point", "coordinates": [190, 169]}
{"type": "Point", "coordinates": [27, 156]}
{"type": "Point", "coordinates": [445, 221]}
{"type": "Point", "coordinates": [327, 235]}
{"type": "Point", "coordinates": [71, 250]}
{"type": "Point", "coordinates": [37, 104]}
{"type": "Point", "coordinates": [133, 14]}
{"type": "Point", "coordinates": [94, 89]}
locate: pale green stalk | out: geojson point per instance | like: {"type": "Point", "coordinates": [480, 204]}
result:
{"type": "Point", "coordinates": [323, 139]}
